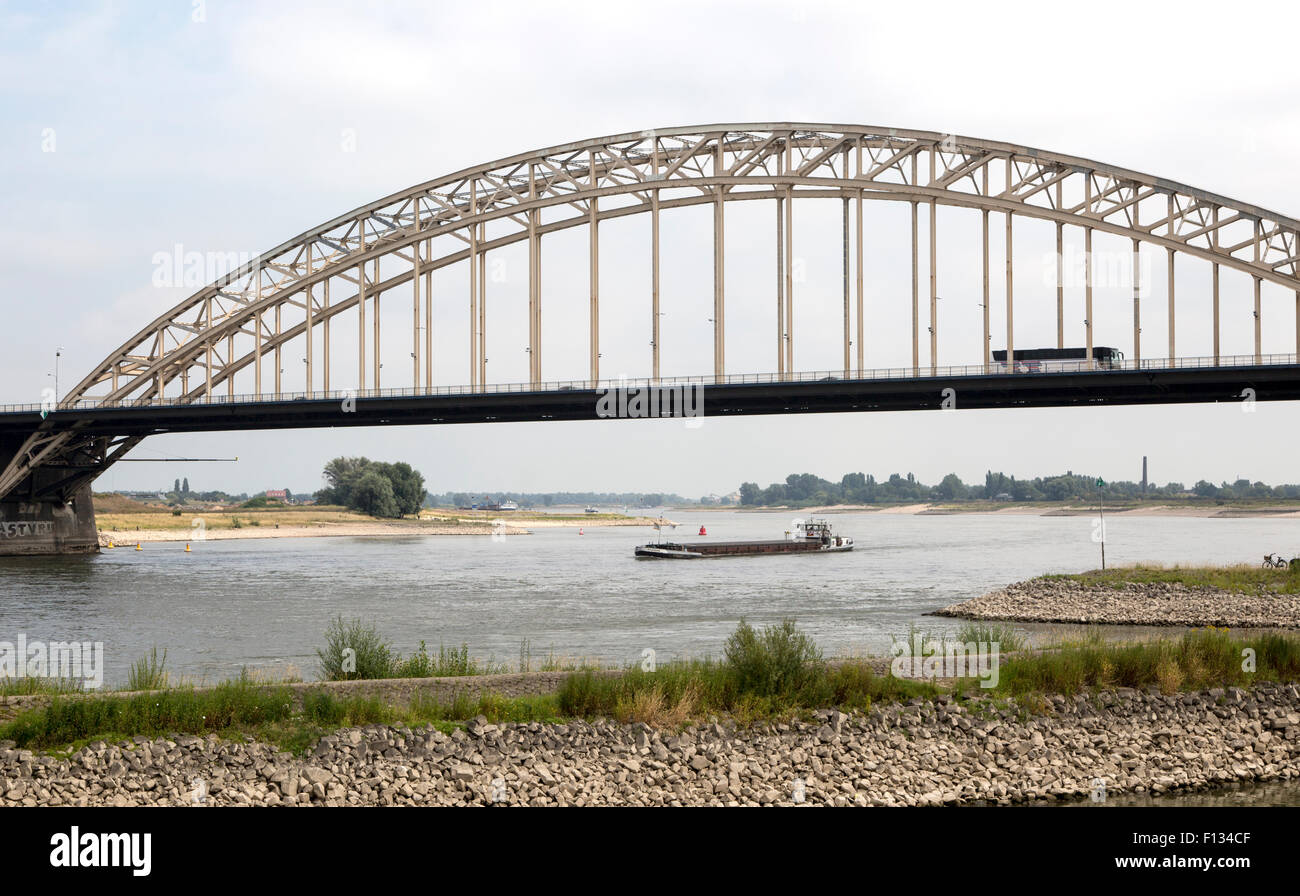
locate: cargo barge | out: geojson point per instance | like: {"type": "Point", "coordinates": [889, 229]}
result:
{"type": "Point", "coordinates": [808, 537]}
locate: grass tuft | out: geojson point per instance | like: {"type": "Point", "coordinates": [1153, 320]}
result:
{"type": "Point", "coordinates": [149, 673]}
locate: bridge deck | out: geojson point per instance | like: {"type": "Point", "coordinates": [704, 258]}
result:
{"type": "Point", "coordinates": [1276, 378]}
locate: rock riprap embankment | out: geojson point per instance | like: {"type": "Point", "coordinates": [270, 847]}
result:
{"type": "Point", "coordinates": [1155, 603]}
{"type": "Point", "coordinates": [922, 753]}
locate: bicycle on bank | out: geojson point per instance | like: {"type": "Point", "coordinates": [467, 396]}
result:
{"type": "Point", "coordinates": [1274, 562]}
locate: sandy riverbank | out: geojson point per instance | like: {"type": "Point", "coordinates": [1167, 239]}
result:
{"type": "Point", "coordinates": [376, 528]}
{"type": "Point", "coordinates": [218, 526]}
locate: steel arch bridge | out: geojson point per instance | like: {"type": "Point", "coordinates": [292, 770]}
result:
{"type": "Point", "coordinates": [179, 372]}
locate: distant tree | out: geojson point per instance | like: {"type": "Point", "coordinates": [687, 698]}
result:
{"type": "Point", "coordinates": [342, 474]}
{"type": "Point", "coordinates": [185, 487]}
{"type": "Point", "coordinates": [407, 483]}
{"type": "Point", "coordinates": [750, 493]}
{"type": "Point", "coordinates": [176, 489]}
{"type": "Point", "coordinates": [354, 483]}
{"type": "Point", "coordinates": [951, 488]}
{"type": "Point", "coordinates": [372, 493]}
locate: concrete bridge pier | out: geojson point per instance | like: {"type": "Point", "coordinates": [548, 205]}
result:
{"type": "Point", "coordinates": [48, 526]}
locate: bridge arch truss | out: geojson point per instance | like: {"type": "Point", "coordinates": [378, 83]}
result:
{"type": "Point", "coordinates": [393, 246]}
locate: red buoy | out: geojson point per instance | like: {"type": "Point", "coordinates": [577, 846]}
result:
{"type": "Point", "coordinates": [702, 532]}
{"type": "Point", "coordinates": [579, 531]}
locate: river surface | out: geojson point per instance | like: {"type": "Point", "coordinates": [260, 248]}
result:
{"type": "Point", "coordinates": [265, 603]}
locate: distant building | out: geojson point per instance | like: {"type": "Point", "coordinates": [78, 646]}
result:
{"type": "Point", "coordinates": [1003, 496]}
{"type": "Point", "coordinates": [277, 494]}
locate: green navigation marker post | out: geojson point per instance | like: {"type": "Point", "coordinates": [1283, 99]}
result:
{"type": "Point", "coordinates": [1101, 513]}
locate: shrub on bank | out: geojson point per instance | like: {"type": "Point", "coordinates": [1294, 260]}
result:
{"type": "Point", "coordinates": [374, 657]}
{"type": "Point", "coordinates": [777, 670]}
{"type": "Point", "coordinates": [779, 661]}
{"type": "Point", "coordinates": [354, 649]}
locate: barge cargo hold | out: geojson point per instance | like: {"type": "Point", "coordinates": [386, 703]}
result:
{"type": "Point", "coordinates": [808, 537]}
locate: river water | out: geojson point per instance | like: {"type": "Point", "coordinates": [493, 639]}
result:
{"type": "Point", "coordinates": [266, 603]}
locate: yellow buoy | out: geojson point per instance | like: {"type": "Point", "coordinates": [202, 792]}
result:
{"type": "Point", "coordinates": [187, 547]}
{"type": "Point", "coordinates": [138, 547]}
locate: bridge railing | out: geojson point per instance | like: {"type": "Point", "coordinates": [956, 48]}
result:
{"type": "Point", "coordinates": [819, 376]}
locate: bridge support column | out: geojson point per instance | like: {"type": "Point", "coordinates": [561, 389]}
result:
{"type": "Point", "coordinates": [428, 325]}
{"type": "Point", "coordinates": [1137, 303]}
{"type": "Point", "coordinates": [1258, 311]}
{"type": "Point", "coordinates": [987, 337]}
{"type": "Point", "coordinates": [1170, 290]}
{"type": "Point", "coordinates": [934, 276]}
{"type": "Point", "coordinates": [848, 362]}
{"type": "Point", "coordinates": [1259, 348]}
{"type": "Point", "coordinates": [1060, 274]}
{"type": "Point", "coordinates": [593, 257]}
{"type": "Point", "coordinates": [325, 336]}
{"type": "Point", "coordinates": [861, 335]}
{"type": "Point", "coordinates": [1011, 307]}
{"type": "Point", "coordinates": [654, 285]}
{"type": "Point", "coordinates": [361, 327]}
{"type": "Point", "coordinates": [1087, 292]}
{"type": "Point", "coordinates": [415, 317]}
{"type": "Point", "coordinates": [1215, 279]}
{"type": "Point", "coordinates": [45, 527]}
{"type": "Point", "coordinates": [474, 288]}
{"type": "Point", "coordinates": [719, 274]}
{"type": "Point", "coordinates": [916, 298]}
{"type": "Point", "coordinates": [780, 286]}
{"type": "Point", "coordinates": [789, 281]}
{"type": "Point", "coordinates": [482, 309]}
{"type": "Point", "coordinates": [934, 288]}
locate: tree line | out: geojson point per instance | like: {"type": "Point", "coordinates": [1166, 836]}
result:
{"type": "Point", "coordinates": [806, 489]}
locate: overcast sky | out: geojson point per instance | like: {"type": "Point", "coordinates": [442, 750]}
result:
{"type": "Point", "coordinates": [127, 129]}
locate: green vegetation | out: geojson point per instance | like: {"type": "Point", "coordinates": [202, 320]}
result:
{"type": "Point", "coordinates": [778, 671]}
{"type": "Point", "coordinates": [354, 649]}
{"type": "Point", "coordinates": [1200, 659]}
{"type": "Point", "coordinates": [374, 657]}
{"type": "Point", "coordinates": [28, 686]}
{"type": "Point", "coordinates": [379, 489]}
{"type": "Point", "coordinates": [1002, 634]}
{"type": "Point", "coordinates": [775, 673]}
{"type": "Point", "coordinates": [148, 673]}
{"type": "Point", "coordinates": [1242, 577]}
{"type": "Point", "coordinates": [243, 708]}
{"type": "Point", "coordinates": [780, 661]}
{"type": "Point", "coordinates": [809, 490]}
{"type": "Point", "coordinates": [239, 704]}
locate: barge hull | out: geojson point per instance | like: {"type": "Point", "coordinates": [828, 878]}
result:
{"type": "Point", "coordinates": [735, 549]}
